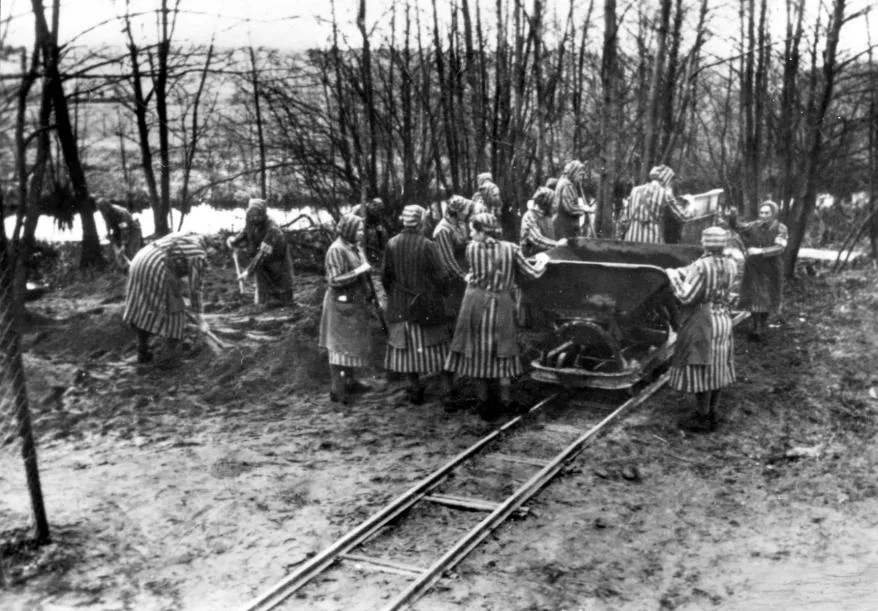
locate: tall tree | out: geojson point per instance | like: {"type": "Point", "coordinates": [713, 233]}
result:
{"type": "Point", "coordinates": [90, 254]}
{"type": "Point", "coordinates": [815, 117]}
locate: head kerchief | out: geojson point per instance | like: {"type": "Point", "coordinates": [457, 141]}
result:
{"type": "Point", "coordinates": [412, 216]}
{"type": "Point", "coordinates": [488, 223]}
{"type": "Point", "coordinates": [661, 173]}
{"type": "Point", "coordinates": [714, 238]}
{"type": "Point", "coordinates": [348, 226]}
{"type": "Point", "coordinates": [483, 178]}
{"type": "Point", "coordinates": [572, 169]}
{"type": "Point", "coordinates": [774, 208]}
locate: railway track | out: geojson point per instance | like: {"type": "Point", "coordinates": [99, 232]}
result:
{"type": "Point", "coordinates": [447, 499]}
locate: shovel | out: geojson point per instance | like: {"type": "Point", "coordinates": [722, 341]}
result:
{"type": "Point", "coordinates": [238, 271]}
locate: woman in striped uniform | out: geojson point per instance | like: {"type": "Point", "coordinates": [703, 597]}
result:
{"type": "Point", "coordinates": [568, 207]}
{"type": "Point", "coordinates": [153, 296]}
{"type": "Point", "coordinates": [537, 235]}
{"type": "Point", "coordinates": [644, 216]}
{"type": "Point", "coordinates": [762, 285]}
{"type": "Point", "coordinates": [413, 277]}
{"type": "Point", "coordinates": [537, 231]}
{"type": "Point", "coordinates": [484, 346]}
{"type": "Point", "coordinates": [451, 236]}
{"type": "Point", "coordinates": [703, 360]}
{"type": "Point", "coordinates": [344, 324]}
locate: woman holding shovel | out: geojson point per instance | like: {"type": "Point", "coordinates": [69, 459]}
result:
{"type": "Point", "coordinates": [153, 296]}
{"type": "Point", "coordinates": [269, 253]}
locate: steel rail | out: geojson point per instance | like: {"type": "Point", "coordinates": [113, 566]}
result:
{"type": "Point", "coordinates": [319, 563]}
{"type": "Point", "coordinates": [471, 540]}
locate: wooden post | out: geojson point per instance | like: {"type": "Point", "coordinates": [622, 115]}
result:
{"type": "Point", "coordinates": [10, 355]}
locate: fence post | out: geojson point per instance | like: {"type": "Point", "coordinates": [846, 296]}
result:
{"type": "Point", "coordinates": [10, 355]}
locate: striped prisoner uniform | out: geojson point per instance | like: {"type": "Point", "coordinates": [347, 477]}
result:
{"type": "Point", "coordinates": [450, 238]}
{"type": "Point", "coordinates": [704, 353]}
{"type": "Point", "coordinates": [418, 336]}
{"type": "Point", "coordinates": [537, 232]}
{"type": "Point", "coordinates": [153, 300]}
{"type": "Point", "coordinates": [342, 258]}
{"type": "Point", "coordinates": [645, 212]}
{"type": "Point", "coordinates": [484, 344]}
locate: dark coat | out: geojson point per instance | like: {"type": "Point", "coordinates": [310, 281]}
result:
{"type": "Point", "coordinates": [414, 279]}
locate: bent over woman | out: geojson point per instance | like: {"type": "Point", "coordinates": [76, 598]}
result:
{"type": "Point", "coordinates": [703, 361]}
{"type": "Point", "coordinates": [485, 346]}
{"type": "Point", "coordinates": [153, 295]}
{"type": "Point", "coordinates": [344, 323]}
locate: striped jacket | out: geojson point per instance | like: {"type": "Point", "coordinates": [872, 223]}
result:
{"type": "Point", "coordinates": [153, 300]}
{"type": "Point", "coordinates": [704, 352]}
{"type": "Point", "coordinates": [645, 212]}
{"type": "Point", "coordinates": [449, 239]}
{"type": "Point", "coordinates": [537, 232]}
{"type": "Point", "coordinates": [493, 264]}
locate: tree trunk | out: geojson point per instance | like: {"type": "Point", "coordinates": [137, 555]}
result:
{"type": "Point", "coordinates": [90, 254]}
{"type": "Point", "coordinates": [655, 87]}
{"type": "Point", "coordinates": [611, 114]}
{"type": "Point", "coordinates": [257, 107]}
{"type": "Point", "coordinates": [815, 138]}
{"type": "Point", "coordinates": [162, 215]}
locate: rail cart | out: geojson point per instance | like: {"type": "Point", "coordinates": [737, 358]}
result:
{"type": "Point", "coordinates": [610, 310]}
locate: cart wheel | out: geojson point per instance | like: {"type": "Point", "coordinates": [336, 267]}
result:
{"type": "Point", "coordinates": [593, 340]}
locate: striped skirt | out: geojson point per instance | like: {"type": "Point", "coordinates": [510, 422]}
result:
{"type": "Point", "coordinates": [347, 360]}
{"type": "Point", "coordinates": [646, 232]}
{"type": "Point", "coordinates": [415, 357]}
{"type": "Point", "coordinates": [484, 362]}
{"type": "Point", "coordinates": [152, 295]}
{"type": "Point", "coordinates": [719, 373]}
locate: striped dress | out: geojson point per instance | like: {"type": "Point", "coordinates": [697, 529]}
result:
{"type": "Point", "coordinates": [153, 296]}
{"type": "Point", "coordinates": [451, 239]}
{"type": "Point", "coordinates": [704, 353]}
{"type": "Point", "coordinates": [418, 336]}
{"type": "Point", "coordinates": [537, 232]}
{"type": "Point", "coordinates": [568, 211]}
{"type": "Point", "coordinates": [645, 213]}
{"type": "Point", "coordinates": [485, 343]}
{"type": "Point", "coordinates": [345, 322]}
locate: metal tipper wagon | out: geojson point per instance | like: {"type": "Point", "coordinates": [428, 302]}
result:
{"type": "Point", "coordinates": [611, 311]}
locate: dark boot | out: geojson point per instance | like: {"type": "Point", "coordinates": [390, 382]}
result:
{"type": "Point", "coordinates": [415, 391]}
{"type": "Point", "coordinates": [144, 354]}
{"type": "Point", "coordinates": [450, 395]}
{"type": "Point", "coordinates": [699, 421]}
{"type": "Point", "coordinates": [354, 386]}
{"type": "Point", "coordinates": [338, 389]}
{"type": "Point", "coordinates": [486, 407]}
{"type": "Point", "coordinates": [714, 413]}
{"type": "Point", "coordinates": [510, 406]}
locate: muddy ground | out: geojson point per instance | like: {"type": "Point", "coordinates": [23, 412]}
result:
{"type": "Point", "coordinates": [198, 485]}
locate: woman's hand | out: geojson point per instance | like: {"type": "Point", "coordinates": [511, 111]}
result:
{"type": "Point", "coordinates": [362, 268]}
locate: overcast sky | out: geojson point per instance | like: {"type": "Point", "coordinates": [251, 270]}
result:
{"type": "Point", "coordinates": [298, 24]}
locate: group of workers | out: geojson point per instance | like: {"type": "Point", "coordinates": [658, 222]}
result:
{"type": "Point", "coordinates": [451, 287]}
